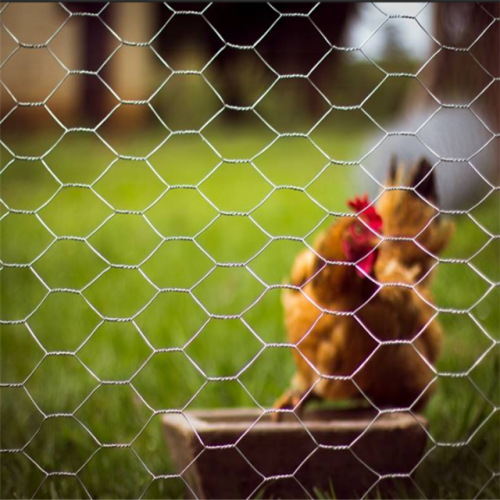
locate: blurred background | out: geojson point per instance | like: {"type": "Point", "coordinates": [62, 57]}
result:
{"type": "Point", "coordinates": [126, 135]}
{"type": "Point", "coordinates": [161, 42]}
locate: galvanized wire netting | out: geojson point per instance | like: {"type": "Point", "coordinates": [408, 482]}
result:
{"type": "Point", "coordinates": [197, 244]}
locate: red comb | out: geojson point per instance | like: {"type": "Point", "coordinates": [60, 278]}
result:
{"type": "Point", "coordinates": [359, 203]}
{"type": "Point", "coordinates": [369, 215]}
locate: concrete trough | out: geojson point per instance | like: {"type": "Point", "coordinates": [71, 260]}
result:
{"type": "Point", "coordinates": [282, 460]}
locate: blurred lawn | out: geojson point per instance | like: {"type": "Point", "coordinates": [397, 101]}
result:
{"type": "Point", "coordinates": [117, 350]}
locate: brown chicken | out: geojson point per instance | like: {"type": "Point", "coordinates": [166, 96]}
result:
{"type": "Point", "coordinates": [385, 352]}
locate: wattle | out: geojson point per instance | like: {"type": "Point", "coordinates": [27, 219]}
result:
{"type": "Point", "coordinates": [366, 264]}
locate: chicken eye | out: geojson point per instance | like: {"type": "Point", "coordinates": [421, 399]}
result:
{"type": "Point", "coordinates": [358, 230]}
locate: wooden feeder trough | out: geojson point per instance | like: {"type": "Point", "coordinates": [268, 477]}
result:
{"type": "Point", "coordinates": [388, 444]}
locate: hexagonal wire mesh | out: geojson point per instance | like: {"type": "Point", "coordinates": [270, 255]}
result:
{"type": "Point", "coordinates": [101, 339]}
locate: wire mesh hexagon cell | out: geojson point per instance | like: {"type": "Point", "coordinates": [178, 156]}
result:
{"type": "Point", "coordinates": [162, 167]}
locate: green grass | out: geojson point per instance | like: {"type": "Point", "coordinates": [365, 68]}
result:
{"type": "Point", "coordinates": [116, 350]}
